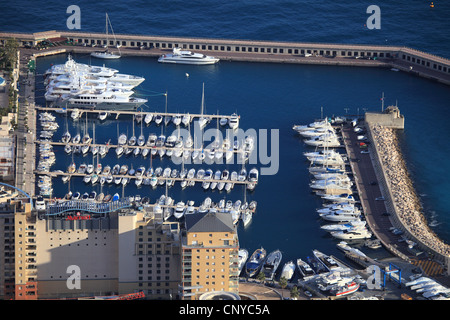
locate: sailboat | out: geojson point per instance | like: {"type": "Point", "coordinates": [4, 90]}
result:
{"type": "Point", "coordinates": [105, 54]}
{"type": "Point", "coordinates": [202, 121]}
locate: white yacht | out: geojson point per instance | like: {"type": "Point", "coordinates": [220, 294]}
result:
{"type": "Point", "coordinates": [311, 126]}
{"type": "Point", "coordinates": [126, 79]}
{"type": "Point", "coordinates": [71, 65]}
{"type": "Point", "coordinates": [180, 210]}
{"type": "Point", "coordinates": [187, 57]}
{"type": "Point", "coordinates": [233, 122]}
{"type": "Point", "coordinates": [352, 234]}
{"type": "Point", "coordinates": [330, 141]}
{"type": "Point", "coordinates": [340, 216]}
{"type": "Point", "coordinates": [348, 198]}
{"type": "Point", "coordinates": [243, 256]}
{"type": "Point", "coordinates": [100, 100]}
{"type": "Point", "coordinates": [288, 270]}
{"type": "Point", "coordinates": [106, 54]}
{"type": "Point", "coordinates": [344, 226]}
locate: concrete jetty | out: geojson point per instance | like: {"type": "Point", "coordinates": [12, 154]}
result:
{"type": "Point", "coordinates": [401, 202]}
{"type": "Point", "coordinates": [406, 203]}
{"type": "Point", "coordinates": [401, 58]}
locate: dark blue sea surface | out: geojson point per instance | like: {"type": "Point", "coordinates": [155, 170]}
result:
{"type": "Point", "coordinates": [403, 22]}
{"type": "Point", "coordinates": [271, 96]}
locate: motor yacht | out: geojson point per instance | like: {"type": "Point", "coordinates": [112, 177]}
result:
{"type": "Point", "coordinates": [179, 56]}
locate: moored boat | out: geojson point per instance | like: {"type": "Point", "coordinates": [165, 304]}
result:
{"type": "Point", "coordinates": [255, 262]}
{"type": "Point", "coordinates": [271, 264]}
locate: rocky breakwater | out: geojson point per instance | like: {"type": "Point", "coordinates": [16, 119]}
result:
{"type": "Point", "coordinates": [405, 200]}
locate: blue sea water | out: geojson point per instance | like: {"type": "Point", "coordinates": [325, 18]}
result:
{"type": "Point", "coordinates": [272, 96]}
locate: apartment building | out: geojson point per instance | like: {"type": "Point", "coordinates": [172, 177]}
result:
{"type": "Point", "coordinates": [209, 255]}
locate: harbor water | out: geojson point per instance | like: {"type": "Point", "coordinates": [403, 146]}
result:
{"type": "Point", "coordinates": [273, 97]}
{"type": "Point", "coordinates": [270, 96]}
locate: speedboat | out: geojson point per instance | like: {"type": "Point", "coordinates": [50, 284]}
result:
{"type": "Point", "coordinates": [187, 57]}
{"type": "Point", "coordinates": [343, 226]}
{"type": "Point", "coordinates": [255, 262]}
{"type": "Point", "coordinates": [339, 198]}
{"type": "Point", "coordinates": [252, 178]}
{"type": "Point", "coordinates": [180, 210]}
{"type": "Point", "coordinates": [304, 268]}
{"type": "Point", "coordinates": [327, 261]}
{"type": "Point", "coordinates": [344, 287]}
{"type": "Point", "coordinates": [242, 256]}
{"type": "Point", "coordinates": [340, 216]}
{"type": "Point", "coordinates": [233, 122]}
{"type": "Point", "coordinates": [271, 264]}
{"type": "Point", "coordinates": [352, 234]}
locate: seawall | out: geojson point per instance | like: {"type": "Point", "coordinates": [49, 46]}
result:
{"type": "Point", "coordinates": [400, 197]}
{"type": "Point", "coordinates": [402, 58]}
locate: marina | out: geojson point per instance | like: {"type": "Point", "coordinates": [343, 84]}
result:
{"type": "Point", "coordinates": [326, 166]}
{"type": "Point", "coordinates": [338, 196]}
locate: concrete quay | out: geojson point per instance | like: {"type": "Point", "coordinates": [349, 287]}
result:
{"type": "Point", "coordinates": [402, 58]}
{"type": "Point", "coordinates": [380, 214]}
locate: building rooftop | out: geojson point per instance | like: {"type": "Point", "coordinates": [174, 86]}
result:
{"type": "Point", "coordinates": [209, 222]}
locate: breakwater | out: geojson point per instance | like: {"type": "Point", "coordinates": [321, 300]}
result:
{"type": "Point", "coordinates": [402, 58]}
{"type": "Point", "coordinates": [400, 193]}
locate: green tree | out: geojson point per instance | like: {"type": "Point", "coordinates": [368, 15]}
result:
{"type": "Point", "coordinates": [261, 276]}
{"type": "Point", "coordinates": [294, 292]}
{"type": "Point", "coordinates": [283, 282]}
{"type": "Point", "coordinates": [8, 54]}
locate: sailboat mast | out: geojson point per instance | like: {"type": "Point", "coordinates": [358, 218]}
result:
{"type": "Point", "coordinates": [106, 28]}
{"type": "Point", "coordinates": [203, 96]}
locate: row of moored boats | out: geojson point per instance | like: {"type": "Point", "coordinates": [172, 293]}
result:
{"type": "Point", "coordinates": [329, 178]}
{"type": "Point", "coordinates": [324, 268]}
{"type": "Point", "coordinates": [123, 174]}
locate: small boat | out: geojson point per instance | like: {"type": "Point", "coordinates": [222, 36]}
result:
{"type": "Point", "coordinates": [345, 288]}
{"type": "Point", "coordinates": [148, 118]}
{"type": "Point", "coordinates": [102, 115]}
{"type": "Point", "coordinates": [346, 248]}
{"type": "Point", "coordinates": [246, 215]}
{"type": "Point", "coordinates": [92, 196]}
{"type": "Point", "coordinates": [288, 270]}
{"type": "Point", "coordinates": [304, 268]}
{"type": "Point", "coordinates": [343, 226]}
{"type": "Point", "coordinates": [271, 264]}
{"type": "Point", "coordinates": [186, 120]}
{"type": "Point", "coordinates": [255, 262]}
{"type": "Point", "coordinates": [76, 196]}
{"type": "Point", "coordinates": [316, 265]}
{"type": "Point", "coordinates": [223, 121]}
{"type": "Point", "coordinates": [180, 210]}
{"type": "Point", "coordinates": [233, 122]}
{"type": "Point", "coordinates": [116, 197]}
{"type": "Point", "coordinates": [252, 178]}
{"type": "Point", "coordinates": [352, 234]}
{"type": "Point", "coordinates": [158, 119]}
{"type": "Point", "coordinates": [242, 256]}
{"type": "Point", "coordinates": [100, 197]}
{"type": "Point", "coordinates": [326, 260]}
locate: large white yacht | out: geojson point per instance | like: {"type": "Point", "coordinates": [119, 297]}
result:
{"type": "Point", "coordinates": [100, 100]}
{"type": "Point", "coordinates": [187, 57]}
{"type": "Point", "coordinates": [70, 65]}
